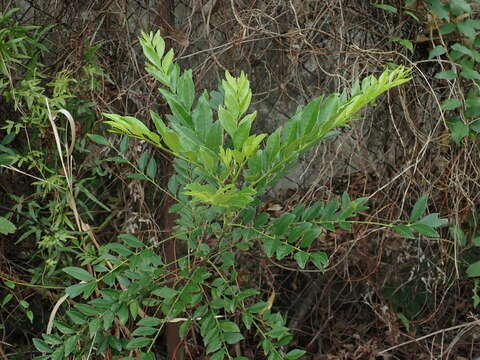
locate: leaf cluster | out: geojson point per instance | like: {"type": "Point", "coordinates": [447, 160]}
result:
{"type": "Point", "coordinates": [221, 172]}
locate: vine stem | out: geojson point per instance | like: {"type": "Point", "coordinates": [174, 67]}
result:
{"type": "Point", "coordinates": [471, 323]}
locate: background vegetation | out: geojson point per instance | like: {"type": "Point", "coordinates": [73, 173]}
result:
{"type": "Point", "coordinates": [74, 198]}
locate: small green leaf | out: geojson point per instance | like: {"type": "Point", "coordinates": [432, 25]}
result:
{"type": "Point", "coordinates": [472, 101]}
{"type": "Point", "coordinates": [404, 321]}
{"type": "Point", "coordinates": [116, 159]}
{"type": "Point", "coordinates": [57, 354]}
{"type": "Point", "coordinates": [52, 339]}
{"type": "Point", "coordinates": [24, 304]}
{"type": "Point", "coordinates": [280, 225]}
{"type": "Point", "coordinates": [89, 289]}
{"type": "Point", "coordinates": [277, 332]}
{"type": "Point", "coordinates": [186, 89]}
{"type": "Point", "coordinates": [63, 328]}
{"type": "Point", "coordinates": [107, 318]}
{"type": "Point", "coordinates": [298, 231]}
{"type": "Point", "coordinates": [446, 75]}
{"type": "Point", "coordinates": [214, 344]}
{"type": "Point", "coordinates": [309, 237]}
{"type": "Point", "coordinates": [29, 314]}
{"type": "Point", "coordinates": [6, 227]}
{"type": "Point", "coordinates": [283, 250]}
{"type": "Point", "coordinates": [98, 139]}
{"type": "Point", "coordinates": [172, 141]}
{"type": "Point", "coordinates": [70, 344]}
{"type": "Point", "coordinates": [87, 309]}
{"type": "Point", "coordinates": [122, 314]}
{"type": "Point", "coordinates": [41, 346]}
{"type": "Point", "coordinates": [152, 168]}
{"type": "Point", "coordinates": [270, 246]}
{"type": "Point", "coordinates": [407, 44]}
{"type": "Point", "coordinates": [261, 219]}
{"type": "Point", "coordinates": [294, 354]}
{"type": "Point", "coordinates": [118, 248]}
{"type": "Point", "coordinates": [411, 14]}
{"type": "Point", "coordinates": [227, 120]}
{"type": "Point", "coordinates": [267, 346]}
{"type": "Point", "coordinates": [458, 128]}
{"type": "Point", "coordinates": [475, 126]}
{"type": "Point", "coordinates": [451, 104]}
{"type": "Point", "coordinates": [144, 331]}
{"type": "Point", "coordinates": [459, 7]}
{"type": "Point", "coordinates": [404, 231]}
{"type": "Point", "coordinates": [78, 273]}
{"type": "Point", "coordinates": [139, 342]}
{"type": "Point", "coordinates": [319, 259]}
{"type": "Point", "coordinates": [438, 9]}
{"type": "Point", "coordinates": [433, 220]}
{"type": "Point", "coordinates": [94, 326]}
{"type": "Point", "coordinates": [473, 270]}
{"type": "Point", "coordinates": [147, 356]}
{"type": "Point", "coordinates": [76, 317]}
{"type": "Point", "coordinates": [419, 208]}
{"type": "Point", "coordinates": [476, 241]}
{"type": "Point", "coordinates": [131, 241]}
{"type": "Point", "coordinates": [437, 51]}
{"type": "Point", "coordinates": [149, 321]}
{"type": "Point", "coordinates": [469, 73]}
{"type": "Point", "coordinates": [229, 326]}
{"type": "Point", "coordinates": [258, 307]}
{"type": "Point", "coordinates": [134, 307]}
{"type": "Point", "coordinates": [243, 130]}
{"type": "Point", "coordinates": [232, 337]}
{"type": "Point", "coordinates": [75, 290]}
{"type": "Point", "coordinates": [467, 28]}
{"type": "Point", "coordinates": [462, 50]}
{"type": "Point", "coordinates": [458, 235]}
{"type": "Point", "coordinates": [424, 230]}
{"type": "Point", "coordinates": [165, 292]}
{"type": "Point", "coordinates": [6, 299]}
{"type": "Point", "coordinates": [248, 214]}
{"type": "Point", "coordinates": [447, 28]}
{"type": "Point", "coordinates": [388, 8]}
{"type": "Point", "coordinates": [247, 319]}
{"type": "Point", "coordinates": [10, 284]}
{"type": "Point", "coordinates": [124, 144]}
{"type": "Point", "coordinates": [301, 258]}
{"type": "Point", "coordinates": [142, 162]}
{"type": "Point", "coordinates": [183, 331]}
{"type": "Point", "coordinates": [219, 355]}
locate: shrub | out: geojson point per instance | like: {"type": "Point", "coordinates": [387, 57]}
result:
{"type": "Point", "coordinates": [221, 172]}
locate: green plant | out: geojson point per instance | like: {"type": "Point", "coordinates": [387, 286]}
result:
{"type": "Point", "coordinates": [38, 214]}
{"type": "Point", "coordinates": [455, 45]}
{"type": "Point", "coordinates": [221, 173]}
{"type": "Point", "coordinates": [466, 238]}
{"type": "Point", "coordinates": [450, 28]}
{"type": "Point", "coordinates": [458, 43]}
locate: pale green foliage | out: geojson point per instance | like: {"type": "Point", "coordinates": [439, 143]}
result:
{"type": "Point", "coordinates": [6, 226]}
{"type": "Point", "coordinates": [221, 171]}
{"type": "Point", "coordinates": [37, 215]}
{"type": "Point", "coordinates": [228, 155]}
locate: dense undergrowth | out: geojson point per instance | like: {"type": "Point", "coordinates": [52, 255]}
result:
{"type": "Point", "coordinates": [219, 269]}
